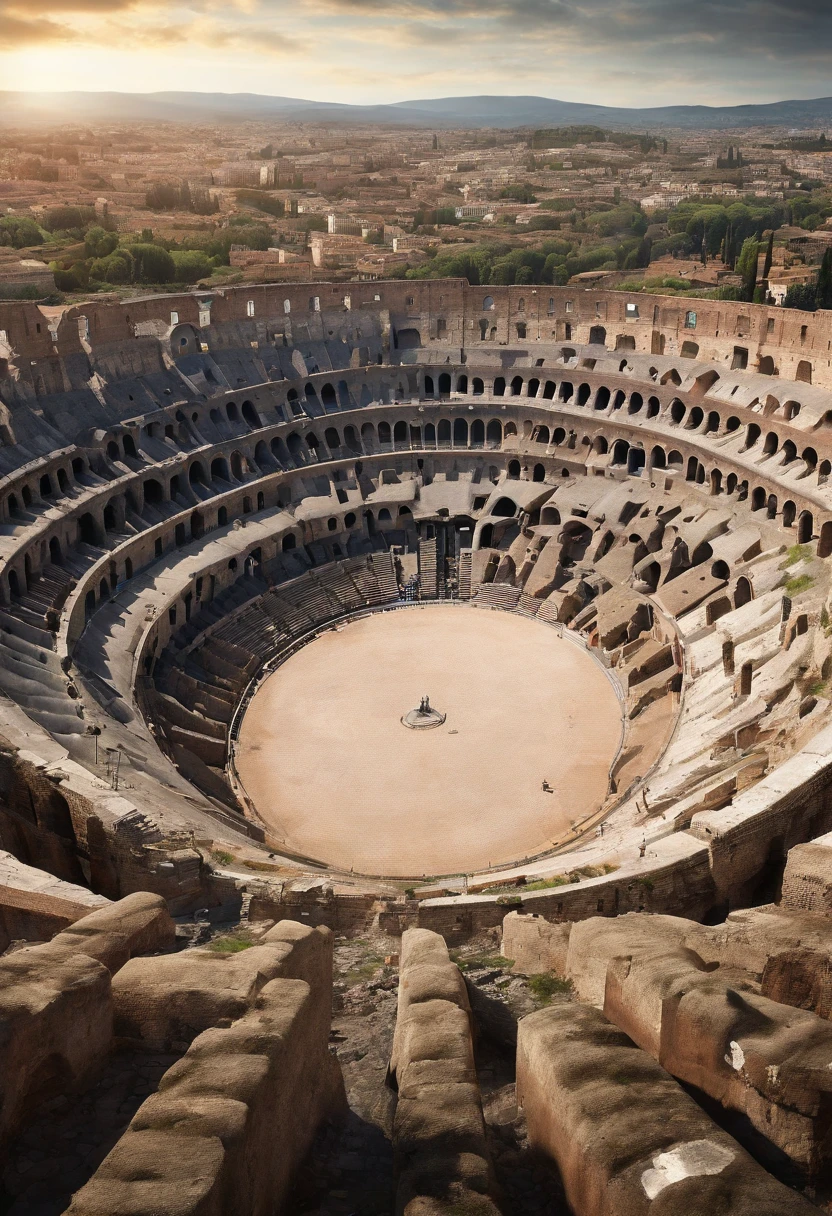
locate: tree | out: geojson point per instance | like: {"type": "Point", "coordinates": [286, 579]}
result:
{"type": "Point", "coordinates": [747, 267]}
{"type": "Point", "coordinates": [823, 293]}
{"type": "Point", "coordinates": [117, 267]}
{"type": "Point", "coordinates": [19, 231]}
{"type": "Point", "coordinates": [152, 264]}
{"type": "Point", "coordinates": [98, 243]}
{"type": "Point", "coordinates": [769, 255]}
{"type": "Point", "coordinates": [190, 265]}
{"type": "Point", "coordinates": [68, 219]}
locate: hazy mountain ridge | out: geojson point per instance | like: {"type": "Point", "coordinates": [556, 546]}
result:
{"type": "Point", "coordinates": [481, 111]}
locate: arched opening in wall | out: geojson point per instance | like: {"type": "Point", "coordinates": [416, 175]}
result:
{"type": "Point", "coordinates": [739, 359]}
{"type": "Point", "coordinates": [804, 372]}
{"type": "Point", "coordinates": [385, 435]}
{"type": "Point", "coordinates": [368, 436]}
{"type": "Point", "coordinates": [650, 575]}
{"type": "Point", "coordinates": [179, 535]}
{"type": "Point", "coordinates": [742, 494]}
{"type": "Point", "coordinates": [486, 537]}
{"type": "Point", "coordinates": [597, 336]}
{"type": "Point", "coordinates": [488, 304]}
{"type": "Point", "coordinates": [26, 495]}
{"type": "Point", "coordinates": [27, 572]}
{"type": "Point", "coordinates": [462, 384]}
{"type": "Point", "coordinates": [222, 517]}
{"type": "Point", "coordinates": [732, 424]}
{"type": "Point", "coordinates": [478, 388]}
{"type": "Point", "coordinates": [533, 388]}
{"type": "Point", "coordinates": [428, 390]}
{"type": "Point", "coordinates": [510, 430]}
{"type": "Point", "coordinates": [344, 395]}
{"type": "Point", "coordinates": [505, 508]}
{"type": "Point", "coordinates": [404, 512]}
{"type": "Point", "coordinates": [677, 411]}
{"type": "Point", "coordinates": [214, 416]}
{"type": "Point", "coordinates": [825, 543]}
{"type": "Point", "coordinates": [400, 434]}
{"type": "Point", "coordinates": [113, 450]}
{"type": "Point", "coordinates": [444, 433]}
{"type": "Point", "coordinates": [619, 399]}
{"type": "Point", "coordinates": [653, 407]}
{"type": "Point", "coordinates": [602, 398]}
{"type": "Point", "coordinates": [743, 593]}
{"type": "Point", "coordinates": [752, 434]}
{"type": "Point", "coordinates": [289, 542]}
{"type": "Point", "coordinates": [129, 447]}
{"type": "Point", "coordinates": [805, 527]}
{"type": "Point", "coordinates": [233, 413]}
{"type": "Point", "coordinates": [250, 416]}
{"type": "Point", "coordinates": [758, 499]}
{"type": "Point", "coordinates": [197, 525]}
{"type": "Point", "coordinates": [520, 327]}
{"type": "Point", "coordinates": [539, 473]}
{"type": "Point", "coordinates": [494, 433]}
{"type": "Point", "coordinates": [219, 469]}
{"type": "Point", "coordinates": [549, 390]}
{"type": "Point", "coordinates": [810, 456]}
{"type": "Point", "coordinates": [483, 330]}
{"type": "Point", "coordinates": [332, 525]}
{"type": "Point", "coordinates": [55, 554]}
{"type": "Point", "coordinates": [771, 444]}
{"type": "Point", "coordinates": [261, 501]}
{"type": "Point", "coordinates": [731, 483]}
{"type": "Point", "coordinates": [658, 459]}
{"type": "Point", "coordinates": [46, 486]}
{"type": "Point", "coordinates": [766, 366]}
{"type": "Point", "coordinates": [558, 436]}
{"type": "Point", "coordinates": [293, 403]}
{"type": "Point", "coordinates": [693, 469]}
{"type": "Point", "coordinates": [690, 350]}
{"type": "Point", "coordinates": [477, 433]}
{"type": "Point", "coordinates": [635, 461]}
{"type": "Point", "coordinates": [540, 434]}
{"type": "Point", "coordinates": [789, 452]}
{"type": "Point", "coordinates": [349, 519]}
{"type": "Point", "coordinates": [331, 439]}
{"type": "Point", "coordinates": [196, 474]}
{"type": "Point", "coordinates": [153, 493]}
{"type": "Point", "coordinates": [237, 459]}
{"type": "Point", "coordinates": [408, 339]}
{"type": "Point", "coordinates": [635, 403]}
{"type": "Point", "coordinates": [771, 506]}
{"type": "Point", "coordinates": [513, 471]}
{"type": "Point", "coordinates": [499, 387]}
{"type": "Point", "coordinates": [89, 604]}
{"type": "Point", "coordinates": [63, 481]}
{"type": "Point", "coordinates": [721, 570]}
{"type": "Point", "coordinates": [600, 445]}
{"type": "Point", "coordinates": [430, 435]}
{"type": "Point", "coordinates": [460, 433]}
{"type": "Point", "coordinates": [263, 457]}
{"type": "Point", "coordinates": [675, 460]}
{"type": "Point", "coordinates": [109, 518]}
{"type": "Point", "coordinates": [584, 393]}
{"type": "Point", "coordinates": [671, 377]}
{"type": "Point", "coordinates": [517, 386]}
{"type": "Point", "coordinates": [695, 419]}
{"type": "Point", "coordinates": [716, 481]}
{"type": "Point", "coordinates": [103, 591]}
{"type": "Point", "coordinates": [351, 439]}
{"type": "Point", "coordinates": [311, 399]}
{"type": "Point", "coordinates": [384, 516]}
{"type": "Point", "coordinates": [87, 530]}
{"type": "Point", "coordinates": [328, 397]}
{"type": "Point", "coordinates": [716, 609]}
{"type": "Point", "coordinates": [745, 680]}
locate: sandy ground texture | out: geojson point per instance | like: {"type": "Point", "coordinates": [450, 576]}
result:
{"type": "Point", "coordinates": [336, 776]}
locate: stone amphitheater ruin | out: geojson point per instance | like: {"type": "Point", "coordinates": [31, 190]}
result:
{"type": "Point", "coordinates": [267, 950]}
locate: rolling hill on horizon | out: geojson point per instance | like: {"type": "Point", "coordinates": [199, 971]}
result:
{"type": "Point", "coordinates": [20, 108]}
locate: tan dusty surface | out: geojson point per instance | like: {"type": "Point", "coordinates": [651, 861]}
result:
{"type": "Point", "coordinates": [334, 774]}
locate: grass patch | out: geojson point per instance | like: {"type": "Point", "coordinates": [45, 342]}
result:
{"type": "Point", "coordinates": [816, 688]}
{"type": "Point", "coordinates": [795, 554]}
{"type": "Point", "coordinates": [232, 944]}
{"type": "Point", "coordinates": [544, 987]}
{"type": "Point", "coordinates": [222, 856]}
{"type": "Point", "coordinates": [546, 884]}
{"type": "Point", "coordinates": [493, 961]}
{"type": "Point", "coordinates": [794, 586]}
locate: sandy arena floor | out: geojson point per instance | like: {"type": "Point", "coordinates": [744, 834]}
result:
{"type": "Point", "coordinates": [334, 774]}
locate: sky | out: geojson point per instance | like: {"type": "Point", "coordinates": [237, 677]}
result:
{"type": "Point", "coordinates": [609, 52]}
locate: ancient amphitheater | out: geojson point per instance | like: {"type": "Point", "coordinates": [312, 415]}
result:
{"type": "Point", "coordinates": [483, 628]}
